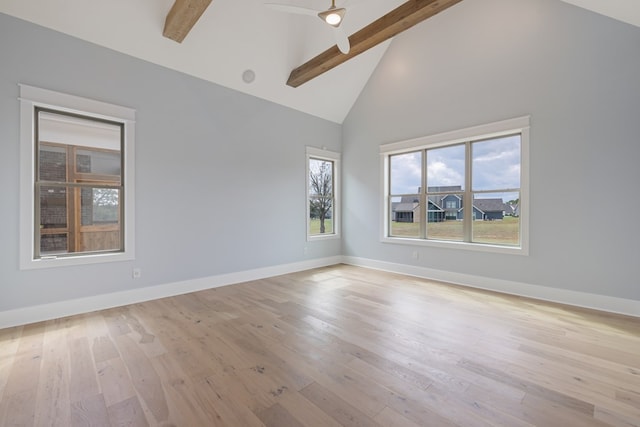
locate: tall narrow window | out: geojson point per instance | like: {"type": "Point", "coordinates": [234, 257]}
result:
{"type": "Point", "coordinates": [76, 180]}
{"type": "Point", "coordinates": [466, 188]}
{"type": "Point", "coordinates": [322, 193]}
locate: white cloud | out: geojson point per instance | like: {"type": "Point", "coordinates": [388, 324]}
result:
{"type": "Point", "coordinates": [406, 173]}
{"type": "Point", "coordinates": [495, 166]}
{"type": "Point", "coordinates": [441, 174]}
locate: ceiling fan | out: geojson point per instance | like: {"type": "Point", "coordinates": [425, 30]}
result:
{"type": "Point", "coordinates": [332, 16]}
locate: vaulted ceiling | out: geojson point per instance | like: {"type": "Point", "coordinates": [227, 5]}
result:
{"type": "Point", "coordinates": [233, 36]}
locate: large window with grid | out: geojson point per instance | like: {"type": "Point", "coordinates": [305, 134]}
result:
{"type": "Point", "coordinates": [465, 189]}
{"type": "Point", "coordinates": [76, 176]}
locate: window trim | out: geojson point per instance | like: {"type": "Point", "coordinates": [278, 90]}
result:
{"type": "Point", "coordinates": [324, 154]}
{"type": "Point", "coordinates": [520, 125]}
{"type": "Point", "coordinates": [32, 97]}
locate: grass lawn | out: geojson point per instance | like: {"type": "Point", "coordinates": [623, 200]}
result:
{"type": "Point", "coordinates": [506, 232]}
{"type": "Point", "coordinates": [314, 226]}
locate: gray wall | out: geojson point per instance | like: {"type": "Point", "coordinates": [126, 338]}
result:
{"type": "Point", "coordinates": [210, 159]}
{"type": "Point", "coordinates": [220, 176]}
{"type": "Point", "coordinates": [577, 74]}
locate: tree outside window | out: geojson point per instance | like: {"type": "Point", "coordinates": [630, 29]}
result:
{"type": "Point", "coordinates": [321, 195]}
{"type": "Point", "coordinates": [322, 188]}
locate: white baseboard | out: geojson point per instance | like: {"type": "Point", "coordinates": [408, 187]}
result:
{"type": "Point", "coordinates": [26, 315]}
{"type": "Point", "coordinates": [38, 313]}
{"type": "Point", "coordinates": [579, 299]}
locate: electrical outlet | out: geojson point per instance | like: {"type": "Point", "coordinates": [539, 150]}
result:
{"type": "Point", "coordinates": [415, 255]}
{"type": "Point", "coordinates": [137, 273]}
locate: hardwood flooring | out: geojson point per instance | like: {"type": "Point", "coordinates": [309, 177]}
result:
{"type": "Point", "coordinates": [337, 346]}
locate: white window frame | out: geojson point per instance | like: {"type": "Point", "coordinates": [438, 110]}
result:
{"type": "Point", "coordinates": [32, 97]}
{"type": "Point", "coordinates": [332, 156]}
{"type": "Point", "coordinates": [520, 125]}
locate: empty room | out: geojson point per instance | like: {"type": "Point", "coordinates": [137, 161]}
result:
{"type": "Point", "coordinates": [320, 213]}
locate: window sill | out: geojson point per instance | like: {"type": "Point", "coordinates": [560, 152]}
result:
{"type": "Point", "coordinates": [477, 247]}
{"type": "Point", "coordinates": [322, 237]}
{"type": "Point", "coordinates": [66, 261]}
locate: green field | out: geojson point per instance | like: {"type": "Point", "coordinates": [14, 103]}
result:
{"type": "Point", "coordinates": [505, 232]}
{"type": "Point", "coordinates": [314, 226]}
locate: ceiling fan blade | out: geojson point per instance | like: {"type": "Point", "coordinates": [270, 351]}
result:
{"type": "Point", "coordinates": [341, 40]}
{"type": "Point", "coordinates": [292, 9]}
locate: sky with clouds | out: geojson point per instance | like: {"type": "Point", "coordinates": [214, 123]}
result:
{"type": "Point", "coordinates": [495, 166]}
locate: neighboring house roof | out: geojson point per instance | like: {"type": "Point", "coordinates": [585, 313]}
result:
{"type": "Point", "coordinates": [444, 189]}
{"type": "Point", "coordinates": [437, 205]}
{"type": "Point", "coordinates": [405, 207]}
{"type": "Point", "coordinates": [489, 205]}
{"type": "Point", "coordinates": [483, 205]}
{"type": "Point", "coordinates": [511, 209]}
{"type": "Point", "coordinates": [457, 196]}
{"type": "Point", "coordinates": [409, 199]}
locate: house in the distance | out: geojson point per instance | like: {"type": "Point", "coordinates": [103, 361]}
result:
{"type": "Point", "coordinates": [447, 207]}
{"type": "Point", "coordinates": [488, 209]}
{"type": "Point", "coordinates": [512, 209]}
{"type": "Point", "coordinates": [406, 210]}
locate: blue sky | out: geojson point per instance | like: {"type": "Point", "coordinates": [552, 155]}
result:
{"type": "Point", "coordinates": [495, 164]}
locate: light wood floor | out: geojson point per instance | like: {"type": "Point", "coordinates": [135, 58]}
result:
{"type": "Point", "coordinates": [328, 347]}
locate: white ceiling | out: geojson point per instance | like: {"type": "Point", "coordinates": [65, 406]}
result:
{"type": "Point", "coordinates": [233, 36]}
{"type": "Point", "coordinates": [623, 10]}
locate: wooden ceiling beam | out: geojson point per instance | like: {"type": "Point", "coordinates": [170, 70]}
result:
{"type": "Point", "coordinates": [393, 23]}
{"type": "Point", "coordinates": [182, 17]}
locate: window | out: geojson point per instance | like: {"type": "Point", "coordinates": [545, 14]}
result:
{"type": "Point", "coordinates": [473, 183]}
{"type": "Point", "coordinates": [323, 215]}
{"type": "Point", "coordinates": [76, 180]}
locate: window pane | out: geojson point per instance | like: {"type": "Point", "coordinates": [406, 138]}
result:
{"type": "Point", "coordinates": [99, 217]}
{"type": "Point", "coordinates": [496, 163]}
{"type": "Point", "coordinates": [320, 215]}
{"type": "Point", "coordinates": [496, 218]}
{"type": "Point", "coordinates": [100, 206]}
{"type": "Point", "coordinates": [444, 218]}
{"type": "Point", "coordinates": [445, 169]}
{"type": "Point", "coordinates": [52, 163]}
{"type": "Point", "coordinates": [405, 216]}
{"type": "Point", "coordinates": [69, 129]}
{"type": "Point", "coordinates": [321, 196]}
{"type": "Point", "coordinates": [51, 244]}
{"type": "Point", "coordinates": [98, 162]}
{"type": "Point", "coordinates": [98, 240]}
{"type": "Point", "coordinates": [406, 173]}
{"type": "Point", "coordinates": [53, 207]}
{"type": "Point", "coordinates": [320, 177]}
